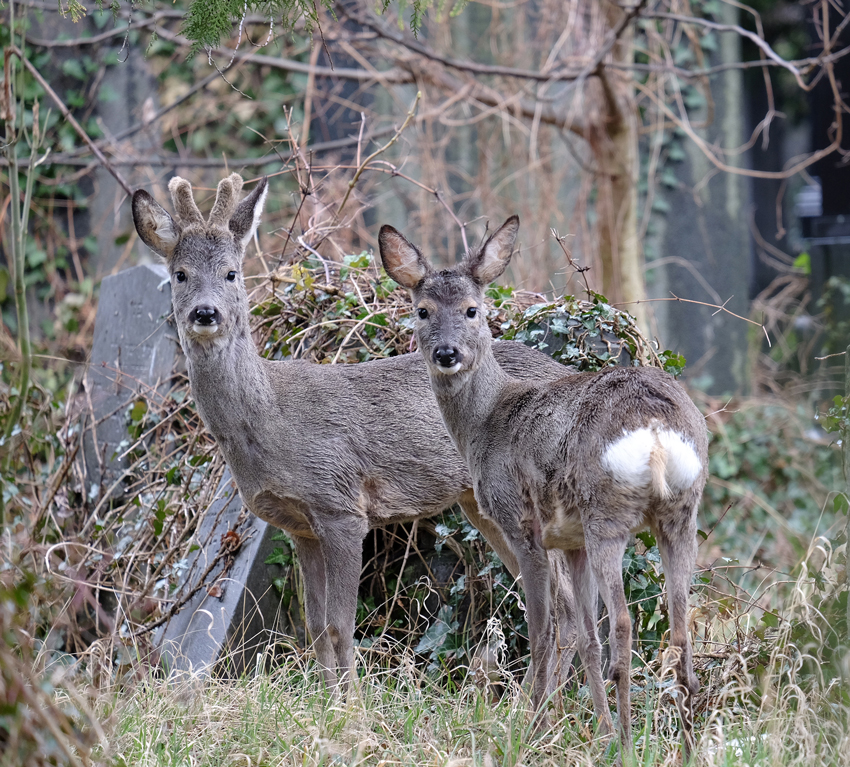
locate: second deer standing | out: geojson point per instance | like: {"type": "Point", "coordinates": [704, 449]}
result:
{"type": "Point", "coordinates": [577, 464]}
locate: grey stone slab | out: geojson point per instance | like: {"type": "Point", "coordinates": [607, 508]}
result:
{"type": "Point", "coordinates": [134, 353]}
{"type": "Point", "coordinates": [236, 614]}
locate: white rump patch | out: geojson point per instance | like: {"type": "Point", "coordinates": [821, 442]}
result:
{"type": "Point", "coordinates": [628, 458]}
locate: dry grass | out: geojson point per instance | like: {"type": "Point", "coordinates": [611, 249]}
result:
{"type": "Point", "coordinates": [770, 696]}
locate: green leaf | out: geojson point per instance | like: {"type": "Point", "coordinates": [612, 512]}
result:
{"type": "Point", "coordinates": [73, 68]}
{"type": "Point", "coordinates": [804, 263]}
{"type": "Point", "coordinates": [279, 556]}
{"type": "Point", "coordinates": [676, 153]}
{"type": "Point", "coordinates": [660, 205]}
{"type": "Point", "coordinates": [770, 620]}
{"type": "Point", "coordinates": [137, 412]}
{"type": "Point", "coordinates": [158, 521]}
{"type": "Point", "coordinates": [673, 363]}
{"type": "Point", "coordinates": [669, 178]}
{"type": "Point", "coordinates": [438, 632]}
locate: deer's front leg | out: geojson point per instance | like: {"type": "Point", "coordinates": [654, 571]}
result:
{"type": "Point", "coordinates": [534, 566]}
{"type": "Point", "coordinates": [521, 528]}
{"type": "Point", "coordinates": [563, 604]}
{"type": "Point", "coordinates": [313, 570]}
{"type": "Point", "coordinates": [342, 546]}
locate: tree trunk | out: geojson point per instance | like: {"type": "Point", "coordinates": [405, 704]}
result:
{"type": "Point", "coordinates": [613, 139]}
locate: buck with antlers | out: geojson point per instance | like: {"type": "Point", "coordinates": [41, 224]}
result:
{"type": "Point", "coordinates": [325, 452]}
{"type": "Point", "coordinates": [577, 464]}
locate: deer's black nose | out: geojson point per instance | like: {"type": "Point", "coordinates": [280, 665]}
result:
{"type": "Point", "coordinates": [204, 315]}
{"type": "Point", "coordinates": [446, 356]}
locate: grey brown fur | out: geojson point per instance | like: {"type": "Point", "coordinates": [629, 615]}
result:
{"type": "Point", "coordinates": [324, 452]}
{"type": "Point", "coordinates": [546, 468]}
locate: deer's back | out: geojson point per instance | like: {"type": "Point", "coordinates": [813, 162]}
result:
{"type": "Point", "coordinates": [551, 438]}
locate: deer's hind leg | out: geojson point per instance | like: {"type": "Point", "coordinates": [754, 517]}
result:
{"type": "Point", "coordinates": [606, 558]}
{"type": "Point", "coordinates": [676, 539]}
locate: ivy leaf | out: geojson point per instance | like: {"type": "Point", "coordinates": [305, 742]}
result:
{"type": "Point", "coordinates": [438, 632]}
{"type": "Point", "coordinates": [279, 556]}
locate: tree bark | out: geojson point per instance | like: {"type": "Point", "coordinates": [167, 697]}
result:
{"type": "Point", "coordinates": [612, 133]}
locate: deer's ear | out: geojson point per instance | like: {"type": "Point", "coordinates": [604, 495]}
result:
{"type": "Point", "coordinates": [488, 263]}
{"type": "Point", "coordinates": [402, 260]}
{"type": "Point", "coordinates": [246, 217]}
{"type": "Point", "coordinates": [156, 228]}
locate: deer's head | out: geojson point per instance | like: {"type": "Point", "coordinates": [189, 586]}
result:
{"type": "Point", "coordinates": [204, 257]}
{"type": "Point", "coordinates": [451, 320]}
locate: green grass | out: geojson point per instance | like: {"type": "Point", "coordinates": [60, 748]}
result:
{"type": "Point", "coordinates": [766, 700]}
{"type": "Point", "coordinates": [285, 718]}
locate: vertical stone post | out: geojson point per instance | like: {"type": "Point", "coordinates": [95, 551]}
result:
{"type": "Point", "coordinates": [134, 354]}
{"type": "Point", "coordinates": [234, 613]}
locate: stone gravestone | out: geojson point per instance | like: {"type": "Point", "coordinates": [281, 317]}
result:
{"type": "Point", "coordinates": [234, 615]}
{"type": "Point", "coordinates": [134, 356]}
{"type": "Point", "coordinates": [134, 353]}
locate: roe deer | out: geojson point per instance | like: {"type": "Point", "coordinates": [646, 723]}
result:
{"type": "Point", "coordinates": [577, 464]}
{"type": "Point", "coordinates": [325, 452]}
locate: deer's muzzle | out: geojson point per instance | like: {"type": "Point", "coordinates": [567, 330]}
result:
{"type": "Point", "coordinates": [447, 359]}
{"type": "Point", "coordinates": [204, 319]}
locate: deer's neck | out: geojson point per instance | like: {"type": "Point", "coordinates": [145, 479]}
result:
{"type": "Point", "coordinates": [468, 399]}
{"type": "Point", "coordinates": [229, 383]}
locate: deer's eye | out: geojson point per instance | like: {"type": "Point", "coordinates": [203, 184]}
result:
{"type": "Point", "coordinates": [472, 311]}
{"type": "Point", "coordinates": [180, 276]}
{"type": "Point", "coordinates": [231, 276]}
{"type": "Point", "coordinates": [423, 314]}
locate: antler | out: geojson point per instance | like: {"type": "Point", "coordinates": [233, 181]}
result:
{"type": "Point", "coordinates": [225, 200]}
{"type": "Point", "coordinates": [185, 207]}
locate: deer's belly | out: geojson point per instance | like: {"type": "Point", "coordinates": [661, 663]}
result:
{"type": "Point", "coordinates": [290, 514]}
{"type": "Point", "coordinates": [382, 502]}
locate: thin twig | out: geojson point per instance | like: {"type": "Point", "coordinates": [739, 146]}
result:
{"type": "Point", "coordinates": [438, 195]}
{"type": "Point", "coordinates": [13, 49]}
{"type": "Point", "coordinates": [351, 184]}
{"type": "Point", "coordinates": [701, 303]}
{"type": "Point", "coordinates": [582, 270]}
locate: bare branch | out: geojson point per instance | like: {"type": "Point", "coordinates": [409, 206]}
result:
{"type": "Point", "coordinates": [351, 184]}
{"type": "Point", "coordinates": [288, 65]}
{"type": "Point", "coordinates": [719, 307]}
{"type": "Point", "coordinates": [14, 50]}
{"type": "Point", "coordinates": [752, 36]}
{"type": "Point", "coordinates": [386, 32]}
